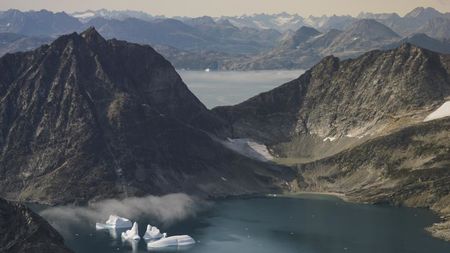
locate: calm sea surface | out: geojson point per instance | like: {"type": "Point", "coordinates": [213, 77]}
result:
{"type": "Point", "coordinates": [307, 224]}
{"type": "Point", "coordinates": [232, 87]}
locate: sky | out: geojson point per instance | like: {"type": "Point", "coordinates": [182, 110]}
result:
{"type": "Point", "coordinates": [196, 8]}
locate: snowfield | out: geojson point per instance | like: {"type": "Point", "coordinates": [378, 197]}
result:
{"type": "Point", "coordinates": [441, 112]}
{"type": "Point", "coordinates": [249, 148]}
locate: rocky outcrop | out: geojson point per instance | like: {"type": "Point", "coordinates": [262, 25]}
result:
{"type": "Point", "coordinates": [338, 104]}
{"type": "Point", "coordinates": [22, 231]}
{"type": "Point", "coordinates": [87, 118]}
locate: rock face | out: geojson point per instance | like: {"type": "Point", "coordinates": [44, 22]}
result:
{"type": "Point", "coordinates": [87, 118]}
{"type": "Point", "coordinates": [337, 104]}
{"type": "Point", "coordinates": [23, 231]}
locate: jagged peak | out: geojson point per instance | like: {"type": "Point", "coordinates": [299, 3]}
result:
{"type": "Point", "coordinates": [91, 35]}
{"type": "Point", "coordinates": [307, 29]}
{"type": "Point", "coordinates": [420, 11]}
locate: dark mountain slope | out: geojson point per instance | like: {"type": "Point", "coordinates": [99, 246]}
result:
{"type": "Point", "coordinates": [87, 118]}
{"type": "Point", "coordinates": [338, 104]}
{"type": "Point", "coordinates": [22, 231]}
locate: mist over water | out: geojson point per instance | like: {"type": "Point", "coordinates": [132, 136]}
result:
{"type": "Point", "coordinates": [164, 210]}
{"type": "Point", "coordinates": [219, 88]}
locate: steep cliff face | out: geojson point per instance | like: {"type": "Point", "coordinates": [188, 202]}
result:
{"type": "Point", "coordinates": [86, 118]}
{"type": "Point", "coordinates": [23, 231]}
{"type": "Point", "coordinates": [337, 104]}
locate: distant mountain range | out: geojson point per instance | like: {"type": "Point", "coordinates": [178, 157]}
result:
{"type": "Point", "coordinates": [259, 41]}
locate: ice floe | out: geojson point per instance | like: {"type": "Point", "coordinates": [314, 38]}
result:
{"type": "Point", "coordinates": [132, 234]}
{"type": "Point", "coordinates": [114, 221]}
{"type": "Point", "coordinates": [153, 233]}
{"type": "Point", "coordinates": [171, 241]}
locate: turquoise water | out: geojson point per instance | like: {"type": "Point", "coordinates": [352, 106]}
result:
{"type": "Point", "coordinates": [309, 224]}
{"type": "Point", "coordinates": [232, 87]}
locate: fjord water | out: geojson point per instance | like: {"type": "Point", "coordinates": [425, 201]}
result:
{"type": "Point", "coordinates": [218, 88]}
{"type": "Point", "coordinates": [305, 224]}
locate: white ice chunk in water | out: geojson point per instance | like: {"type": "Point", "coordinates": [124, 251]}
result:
{"type": "Point", "coordinates": [178, 240]}
{"type": "Point", "coordinates": [441, 112]}
{"type": "Point", "coordinates": [153, 233]}
{"type": "Point", "coordinates": [132, 234]}
{"type": "Point", "coordinates": [114, 221]}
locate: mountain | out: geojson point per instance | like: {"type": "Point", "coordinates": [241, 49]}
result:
{"type": "Point", "coordinates": [362, 36]}
{"type": "Point", "coordinates": [299, 37]}
{"type": "Point", "coordinates": [86, 118]}
{"type": "Point", "coordinates": [23, 231]}
{"type": "Point", "coordinates": [307, 46]}
{"type": "Point", "coordinates": [281, 21]}
{"type": "Point", "coordinates": [196, 60]}
{"type": "Point", "coordinates": [38, 23]}
{"type": "Point", "coordinates": [12, 42]}
{"type": "Point", "coordinates": [192, 35]}
{"type": "Point", "coordinates": [422, 40]}
{"type": "Point", "coordinates": [424, 14]}
{"type": "Point", "coordinates": [338, 104]}
{"type": "Point", "coordinates": [87, 15]}
{"type": "Point", "coordinates": [437, 28]}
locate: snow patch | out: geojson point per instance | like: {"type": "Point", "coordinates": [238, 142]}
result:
{"type": "Point", "coordinates": [332, 138]}
{"type": "Point", "coordinates": [84, 15]}
{"type": "Point", "coordinates": [249, 148]}
{"type": "Point", "coordinates": [283, 20]}
{"type": "Point", "coordinates": [441, 112]}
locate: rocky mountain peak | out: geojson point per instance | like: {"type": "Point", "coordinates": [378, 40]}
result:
{"type": "Point", "coordinates": [302, 35]}
{"type": "Point", "coordinates": [92, 36]}
{"type": "Point", "coordinates": [423, 13]}
{"type": "Point", "coordinates": [371, 28]}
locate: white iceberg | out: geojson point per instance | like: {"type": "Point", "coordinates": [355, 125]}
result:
{"type": "Point", "coordinates": [114, 221]}
{"type": "Point", "coordinates": [153, 233]}
{"type": "Point", "coordinates": [178, 240]}
{"type": "Point", "coordinates": [132, 234]}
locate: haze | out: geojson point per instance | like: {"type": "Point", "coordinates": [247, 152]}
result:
{"type": "Point", "coordinates": [231, 7]}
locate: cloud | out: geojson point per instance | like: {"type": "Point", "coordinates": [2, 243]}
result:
{"type": "Point", "coordinates": [165, 210]}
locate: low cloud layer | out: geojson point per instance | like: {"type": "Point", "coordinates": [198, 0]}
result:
{"type": "Point", "coordinates": [165, 210]}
